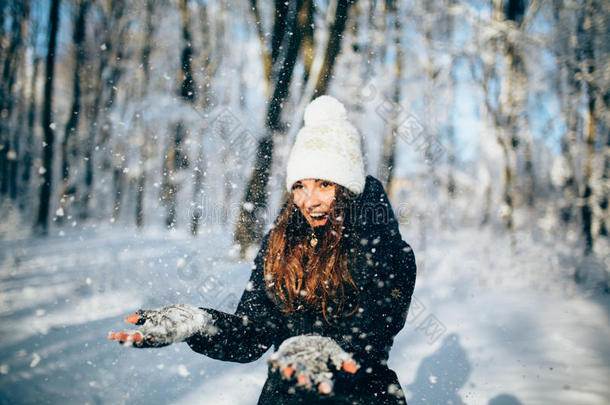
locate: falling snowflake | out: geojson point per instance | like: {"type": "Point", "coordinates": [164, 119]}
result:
{"type": "Point", "coordinates": [182, 371]}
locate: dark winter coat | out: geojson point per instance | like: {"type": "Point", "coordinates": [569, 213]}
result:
{"type": "Point", "coordinates": [383, 268]}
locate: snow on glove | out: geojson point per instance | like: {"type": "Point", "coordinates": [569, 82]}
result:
{"type": "Point", "coordinates": [312, 360]}
{"type": "Point", "coordinates": [161, 327]}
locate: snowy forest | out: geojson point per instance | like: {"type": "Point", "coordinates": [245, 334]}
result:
{"type": "Point", "coordinates": [143, 147]}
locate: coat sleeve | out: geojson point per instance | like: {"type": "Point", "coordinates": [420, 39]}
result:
{"type": "Point", "coordinates": [390, 272]}
{"type": "Point", "coordinates": [385, 302]}
{"type": "Point", "coordinates": [244, 336]}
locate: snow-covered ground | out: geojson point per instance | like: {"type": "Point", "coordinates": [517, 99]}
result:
{"type": "Point", "coordinates": [486, 326]}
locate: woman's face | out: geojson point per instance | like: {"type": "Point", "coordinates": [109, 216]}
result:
{"type": "Point", "coordinates": [314, 197]}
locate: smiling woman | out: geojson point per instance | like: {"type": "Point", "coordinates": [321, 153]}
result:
{"type": "Point", "coordinates": [330, 287]}
{"type": "Point", "coordinates": [314, 197]}
{"type": "Point", "coordinates": [306, 254]}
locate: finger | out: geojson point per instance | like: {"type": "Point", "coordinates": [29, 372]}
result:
{"type": "Point", "coordinates": [325, 387]}
{"type": "Point", "coordinates": [120, 336]}
{"type": "Point", "coordinates": [132, 318]}
{"type": "Point", "coordinates": [126, 337]}
{"type": "Point", "coordinates": [288, 371]}
{"type": "Point", "coordinates": [350, 367]}
{"type": "Point", "coordinates": [275, 365]}
{"type": "Point", "coordinates": [134, 337]}
{"type": "Point", "coordinates": [303, 380]}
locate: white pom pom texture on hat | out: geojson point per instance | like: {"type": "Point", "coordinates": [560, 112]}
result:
{"type": "Point", "coordinates": [324, 110]}
{"type": "Point", "coordinates": [327, 147]}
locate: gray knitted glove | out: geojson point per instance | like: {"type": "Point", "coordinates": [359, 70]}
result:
{"type": "Point", "coordinates": [312, 360]}
{"type": "Point", "coordinates": [162, 327]}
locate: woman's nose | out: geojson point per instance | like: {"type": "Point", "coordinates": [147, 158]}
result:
{"type": "Point", "coordinates": [312, 201]}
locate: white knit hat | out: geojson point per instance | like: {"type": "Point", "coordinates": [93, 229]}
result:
{"type": "Point", "coordinates": [327, 147]}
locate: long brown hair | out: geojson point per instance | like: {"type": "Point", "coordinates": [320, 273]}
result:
{"type": "Point", "coordinates": [302, 275]}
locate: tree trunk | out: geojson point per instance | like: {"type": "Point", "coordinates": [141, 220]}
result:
{"type": "Point", "coordinates": [509, 106]}
{"type": "Point", "coordinates": [17, 136]}
{"type": "Point", "coordinates": [209, 60]}
{"type": "Point", "coordinates": [2, 33]}
{"type": "Point", "coordinates": [102, 85]}
{"type": "Point", "coordinates": [198, 177]}
{"type": "Point", "coordinates": [69, 143]}
{"type": "Point", "coordinates": [588, 196]}
{"type": "Point", "coordinates": [116, 37]}
{"type": "Point", "coordinates": [509, 136]}
{"type": "Point", "coordinates": [42, 221]}
{"type": "Point", "coordinates": [118, 181]}
{"type": "Point", "coordinates": [306, 28]}
{"type": "Point", "coordinates": [570, 72]}
{"type": "Point", "coordinates": [284, 77]}
{"type": "Point", "coordinates": [90, 141]}
{"type": "Point", "coordinates": [334, 46]}
{"type": "Point", "coordinates": [449, 22]}
{"type": "Point", "coordinates": [176, 158]}
{"type": "Point", "coordinates": [386, 167]}
{"type": "Point", "coordinates": [151, 27]}
{"type": "Point", "coordinates": [450, 130]}
{"type": "Point", "coordinates": [249, 224]}
{"type": "Point", "coordinates": [12, 61]}
{"type": "Point", "coordinates": [110, 35]}
{"type": "Point", "coordinates": [140, 188]}
{"type": "Point", "coordinates": [280, 20]}
{"type": "Point", "coordinates": [369, 46]}
{"type": "Point", "coordinates": [209, 67]}
{"type": "Point", "coordinates": [117, 45]}
{"type": "Point", "coordinates": [265, 54]}
{"type": "Point", "coordinates": [168, 186]}
{"type": "Point", "coordinates": [187, 90]}
{"type": "Point", "coordinates": [605, 184]}
{"type": "Point", "coordinates": [28, 156]}
{"type": "Point", "coordinates": [507, 193]}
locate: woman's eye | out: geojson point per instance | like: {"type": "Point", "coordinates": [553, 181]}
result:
{"type": "Point", "coordinates": [326, 184]}
{"type": "Point", "coordinates": [297, 187]}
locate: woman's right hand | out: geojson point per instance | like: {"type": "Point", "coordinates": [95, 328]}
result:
{"type": "Point", "coordinates": [161, 327]}
{"type": "Point", "coordinates": [312, 362]}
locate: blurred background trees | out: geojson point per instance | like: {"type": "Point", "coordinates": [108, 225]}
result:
{"type": "Point", "coordinates": [180, 113]}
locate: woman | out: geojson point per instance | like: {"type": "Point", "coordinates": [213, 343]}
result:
{"type": "Point", "coordinates": [330, 288]}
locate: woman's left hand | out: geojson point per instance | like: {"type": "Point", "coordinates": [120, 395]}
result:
{"type": "Point", "coordinates": [312, 361]}
{"type": "Point", "coordinates": [164, 326]}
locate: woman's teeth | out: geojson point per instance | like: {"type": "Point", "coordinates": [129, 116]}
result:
{"type": "Point", "coordinates": [318, 216]}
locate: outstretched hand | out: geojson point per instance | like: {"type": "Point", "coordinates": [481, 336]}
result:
{"type": "Point", "coordinates": [312, 362]}
{"type": "Point", "coordinates": [161, 327]}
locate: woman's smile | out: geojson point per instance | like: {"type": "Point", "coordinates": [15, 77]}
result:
{"type": "Point", "coordinates": [318, 218]}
